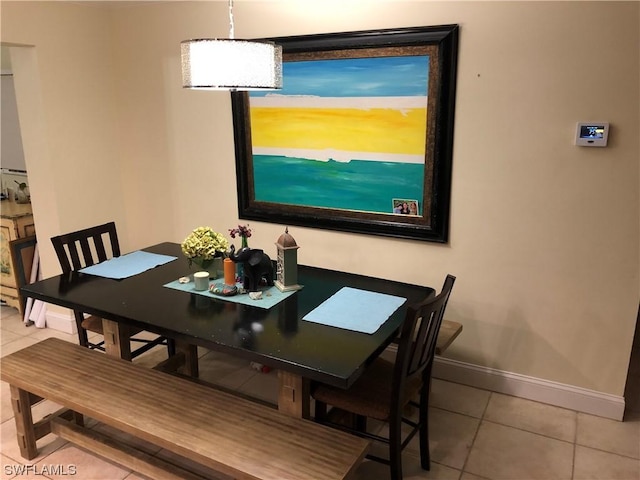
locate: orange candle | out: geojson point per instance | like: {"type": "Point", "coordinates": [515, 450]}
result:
{"type": "Point", "coordinates": [229, 272]}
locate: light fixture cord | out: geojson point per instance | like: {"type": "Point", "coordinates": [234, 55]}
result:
{"type": "Point", "coordinates": [231, 29]}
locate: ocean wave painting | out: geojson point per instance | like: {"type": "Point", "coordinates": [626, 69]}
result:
{"type": "Point", "coordinates": [343, 133]}
{"type": "Point", "coordinates": [362, 185]}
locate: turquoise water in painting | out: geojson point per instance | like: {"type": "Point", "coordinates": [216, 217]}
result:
{"type": "Point", "coordinates": [357, 185]}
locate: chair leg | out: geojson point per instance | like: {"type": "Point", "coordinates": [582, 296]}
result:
{"type": "Point", "coordinates": [321, 412]}
{"type": "Point", "coordinates": [171, 347]}
{"type": "Point", "coordinates": [360, 423]}
{"type": "Point", "coordinates": [395, 448]}
{"type": "Point", "coordinates": [83, 339]}
{"type": "Point", "coordinates": [425, 456]}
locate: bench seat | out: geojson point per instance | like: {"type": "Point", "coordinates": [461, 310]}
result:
{"type": "Point", "coordinates": [228, 434]}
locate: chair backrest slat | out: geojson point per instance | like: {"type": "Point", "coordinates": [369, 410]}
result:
{"type": "Point", "coordinates": [102, 255]}
{"type": "Point", "coordinates": [75, 250]}
{"type": "Point", "coordinates": [86, 254]}
{"type": "Point", "coordinates": [418, 337]}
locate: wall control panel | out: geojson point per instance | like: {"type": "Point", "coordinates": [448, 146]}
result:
{"type": "Point", "coordinates": [592, 134]}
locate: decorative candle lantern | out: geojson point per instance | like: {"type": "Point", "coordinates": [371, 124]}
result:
{"type": "Point", "coordinates": [287, 263]}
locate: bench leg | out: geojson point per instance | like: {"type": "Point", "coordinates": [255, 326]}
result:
{"type": "Point", "coordinates": [21, 404]}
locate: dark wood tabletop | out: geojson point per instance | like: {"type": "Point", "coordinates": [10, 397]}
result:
{"type": "Point", "coordinates": [277, 337]}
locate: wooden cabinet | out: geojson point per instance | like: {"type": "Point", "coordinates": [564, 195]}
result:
{"type": "Point", "coordinates": [16, 222]}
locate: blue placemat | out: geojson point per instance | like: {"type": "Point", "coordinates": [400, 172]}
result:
{"type": "Point", "coordinates": [128, 265]}
{"type": "Point", "coordinates": [271, 296]}
{"type": "Point", "coordinates": [354, 309]}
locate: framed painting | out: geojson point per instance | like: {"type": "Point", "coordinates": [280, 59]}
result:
{"type": "Point", "coordinates": [360, 137]}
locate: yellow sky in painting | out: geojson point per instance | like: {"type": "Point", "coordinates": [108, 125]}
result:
{"type": "Point", "coordinates": [365, 130]}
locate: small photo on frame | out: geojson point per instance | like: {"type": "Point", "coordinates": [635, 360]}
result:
{"type": "Point", "coordinates": [405, 206]}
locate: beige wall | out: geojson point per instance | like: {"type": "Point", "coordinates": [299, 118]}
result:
{"type": "Point", "coordinates": [64, 81]}
{"type": "Point", "coordinates": [11, 153]}
{"type": "Point", "coordinates": [544, 235]}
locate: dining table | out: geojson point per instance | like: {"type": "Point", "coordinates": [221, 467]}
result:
{"type": "Point", "coordinates": [285, 336]}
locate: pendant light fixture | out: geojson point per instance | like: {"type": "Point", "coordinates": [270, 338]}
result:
{"type": "Point", "coordinates": [230, 64]}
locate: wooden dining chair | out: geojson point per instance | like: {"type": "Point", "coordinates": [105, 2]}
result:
{"type": "Point", "coordinates": [87, 247]}
{"type": "Point", "coordinates": [387, 388]}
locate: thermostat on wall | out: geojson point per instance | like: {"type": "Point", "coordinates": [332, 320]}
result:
{"type": "Point", "coordinates": [592, 134]}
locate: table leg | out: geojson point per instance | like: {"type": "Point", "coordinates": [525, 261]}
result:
{"type": "Point", "coordinates": [190, 353]}
{"type": "Point", "coordinates": [294, 395]}
{"type": "Point", "coordinates": [116, 339]}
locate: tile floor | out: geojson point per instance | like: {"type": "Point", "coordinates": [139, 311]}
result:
{"type": "Point", "coordinates": [475, 434]}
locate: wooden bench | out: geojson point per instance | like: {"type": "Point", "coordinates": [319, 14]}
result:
{"type": "Point", "coordinates": [449, 331]}
{"type": "Point", "coordinates": [230, 435]}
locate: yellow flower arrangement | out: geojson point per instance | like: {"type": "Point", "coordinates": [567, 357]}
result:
{"type": "Point", "coordinates": [202, 245]}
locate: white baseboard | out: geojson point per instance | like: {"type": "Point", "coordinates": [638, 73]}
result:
{"type": "Point", "coordinates": [61, 322]}
{"type": "Point", "coordinates": [545, 391]}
